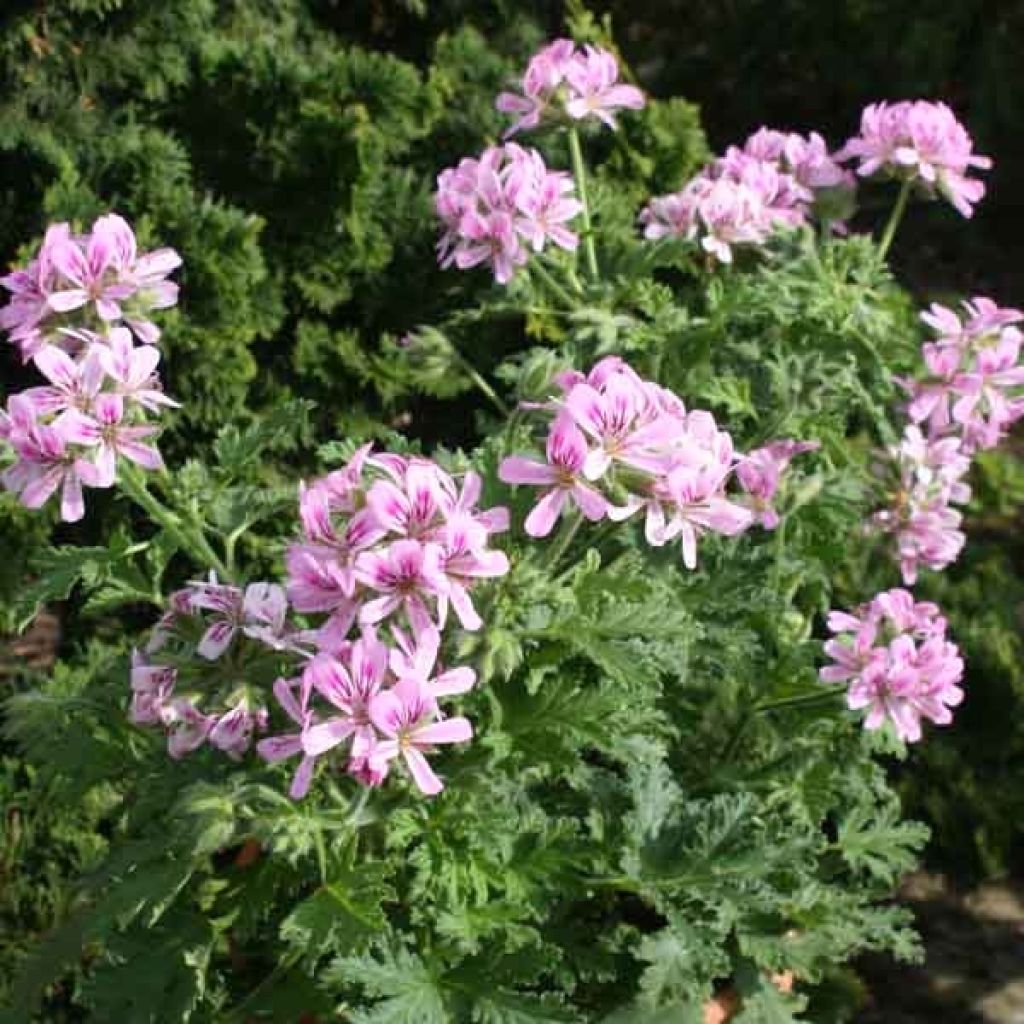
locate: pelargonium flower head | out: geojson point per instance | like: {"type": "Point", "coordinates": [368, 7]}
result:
{"type": "Point", "coordinates": [928, 479]}
{"type": "Point", "coordinates": [618, 444]}
{"type": "Point", "coordinates": [405, 541]}
{"type": "Point", "coordinates": [922, 142]}
{"type": "Point", "coordinates": [496, 208]}
{"type": "Point", "coordinates": [897, 664]}
{"type": "Point", "coordinates": [565, 81]}
{"type": "Point", "coordinates": [101, 271]}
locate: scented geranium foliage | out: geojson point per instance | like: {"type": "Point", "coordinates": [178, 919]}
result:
{"type": "Point", "coordinates": [585, 722]}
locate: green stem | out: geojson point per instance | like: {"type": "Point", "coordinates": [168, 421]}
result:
{"type": "Point", "coordinates": [561, 545]}
{"type": "Point", "coordinates": [477, 378]}
{"type": "Point", "coordinates": [894, 219]}
{"type": "Point", "coordinates": [579, 172]}
{"type": "Point", "coordinates": [802, 700]}
{"type": "Point", "coordinates": [189, 539]}
{"type": "Point", "coordinates": [538, 268]}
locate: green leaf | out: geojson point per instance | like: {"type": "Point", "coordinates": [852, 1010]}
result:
{"type": "Point", "coordinates": [341, 917]}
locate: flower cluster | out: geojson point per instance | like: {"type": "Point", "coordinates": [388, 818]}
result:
{"type": "Point", "coordinates": [92, 412]}
{"type": "Point", "coordinates": [893, 655]}
{"type": "Point", "coordinates": [563, 80]}
{"type": "Point", "coordinates": [101, 387]}
{"type": "Point", "coordinates": [749, 193]}
{"type": "Point", "coordinates": [975, 376]}
{"type": "Point", "coordinates": [618, 444]}
{"type": "Point", "coordinates": [224, 625]}
{"type": "Point", "coordinates": [497, 208]}
{"type": "Point", "coordinates": [381, 703]}
{"type": "Point", "coordinates": [966, 401]}
{"type": "Point", "coordinates": [386, 539]}
{"type": "Point", "coordinates": [929, 481]}
{"type": "Point", "coordinates": [95, 280]}
{"type": "Point", "coordinates": [919, 142]}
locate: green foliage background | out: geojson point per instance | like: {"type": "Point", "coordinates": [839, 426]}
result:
{"type": "Point", "coordinates": [288, 150]}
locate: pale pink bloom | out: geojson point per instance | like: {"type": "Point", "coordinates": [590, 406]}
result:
{"type": "Point", "coordinates": [624, 424]}
{"type": "Point", "coordinates": [226, 602]}
{"type": "Point", "coordinates": [594, 88]}
{"type": "Point", "coordinates": [406, 574]}
{"type": "Point", "coordinates": [562, 473]}
{"type": "Point", "coordinates": [106, 431]}
{"type": "Point", "coordinates": [415, 658]}
{"type": "Point", "coordinates": [152, 686]}
{"type": "Point", "coordinates": [407, 717]}
{"type": "Point", "coordinates": [264, 616]}
{"type": "Point", "coordinates": [133, 370]}
{"type": "Point", "coordinates": [931, 396]}
{"type": "Point", "coordinates": [281, 747]}
{"type": "Point", "coordinates": [562, 80]}
{"type": "Point", "coordinates": [350, 688]}
{"type": "Point", "coordinates": [463, 561]}
{"type": "Point", "coordinates": [898, 665]}
{"type": "Point", "coordinates": [73, 385]}
{"type": "Point", "coordinates": [45, 464]}
{"type": "Point", "coordinates": [413, 508]}
{"type": "Point", "coordinates": [187, 727]}
{"type": "Point", "coordinates": [94, 269]}
{"type": "Point", "coordinates": [696, 505]}
{"type": "Point", "coordinates": [929, 476]}
{"type": "Point", "coordinates": [760, 472]}
{"type": "Point", "coordinates": [494, 206]}
{"type": "Point", "coordinates": [984, 407]}
{"type": "Point", "coordinates": [921, 142]}
{"type": "Point", "coordinates": [232, 731]}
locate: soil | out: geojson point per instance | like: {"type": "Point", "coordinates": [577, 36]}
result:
{"type": "Point", "coordinates": [974, 967]}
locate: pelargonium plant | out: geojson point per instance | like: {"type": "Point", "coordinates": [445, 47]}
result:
{"type": "Point", "coordinates": [458, 736]}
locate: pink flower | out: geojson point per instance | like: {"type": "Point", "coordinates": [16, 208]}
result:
{"type": "Point", "coordinates": [930, 478]}
{"type": "Point", "coordinates": [73, 385]}
{"type": "Point", "coordinates": [107, 431]}
{"type": "Point", "coordinates": [407, 716]}
{"type": "Point", "coordinates": [593, 77]}
{"type": "Point", "coordinates": [562, 473]}
{"type": "Point", "coordinates": [284, 746]}
{"type": "Point", "coordinates": [545, 73]}
{"type": "Point", "coordinates": [101, 270]}
{"type": "Point", "coordinates": [627, 427]}
{"type": "Point", "coordinates": [45, 464]}
{"type": "Point", "coordinates": [760, 473]}
{"type": "Point", "coordinates": [350, 689]}
{"type": "Point", "coordinates": [133, 370]}
{"type": "Point", "coordinates": [232, 731]}
{"type": "Point", "coordinates": [493, 207]}
{"type": "Point", "coordinates": [226, 602]}
{"type": "Point", "coordinates": [406, 574]}
{"type": "Point", "coordinates": [187, 727]}
{"type": "Point", "coordinates": [921, 142]}
{"type": "Point", "coordinates": [562, 80]}
{"type": "Point", "coordinates": [152, 686]}
{"type": "Point", "coordinates": [416, 658]}
{"type": "Point", "coordinates": [897, 662]}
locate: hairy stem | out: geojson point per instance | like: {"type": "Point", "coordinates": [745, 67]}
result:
{"type": "Point", "coordinates": [565, 538]}
{"type": "Point", "coordinates": [579, 172]}
{"type": "Point", "coordinates": [189, 538]}
{"type": "Point", "coordinates": [542, 272]}
{"type": "Point", "coordinates": [894, 219]}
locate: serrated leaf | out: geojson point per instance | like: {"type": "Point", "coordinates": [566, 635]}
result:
{"type": "Point", "coordinates": [341, 917]}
